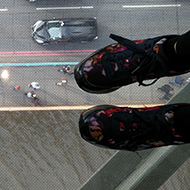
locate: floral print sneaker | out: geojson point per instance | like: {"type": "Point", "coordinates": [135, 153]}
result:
{"type": "Point", "coordinates": [124, 63]}
{"type": "Point", "coordinates": [132, 129]}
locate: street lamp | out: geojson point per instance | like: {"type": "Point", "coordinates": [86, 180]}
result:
{"type": "Point", "coordinates": [4, 74]}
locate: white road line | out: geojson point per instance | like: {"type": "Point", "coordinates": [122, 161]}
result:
{"type": "Point", "coordinates": [5, 9]}
{"type": "Point", "coordinates": [151, 6]}
{"type": "Point", "coordinates": [65, 8]}
{"type": "Point", "coordinates": [87, 7]}
{"type": "Point", "coordinates": [68, 107]}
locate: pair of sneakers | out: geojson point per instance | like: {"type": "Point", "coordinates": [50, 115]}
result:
{"type": "Point", "coordinates": [124, 63]}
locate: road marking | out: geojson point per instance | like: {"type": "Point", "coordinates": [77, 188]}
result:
{"type": "Point", "coordinates": [5, 9]}
{"type": "Point", "coordinates": [46, 53]}
{"type": "Point", "coordinates": [65, 8]}
{"type": "Point", "coordinates": [36, 64]}
{"type": "Point", "coordinates": [69, 107]}
{"type": "Point", "coordinates": [151, 6]}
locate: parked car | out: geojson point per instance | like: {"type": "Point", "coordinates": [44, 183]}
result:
{"type": "Point", "coordinates": [64, 30]}
{"type": "Point", "coordinates": [31, 1]}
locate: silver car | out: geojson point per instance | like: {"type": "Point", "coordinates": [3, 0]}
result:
{"type": "Point", "coordinates": [64, 30]}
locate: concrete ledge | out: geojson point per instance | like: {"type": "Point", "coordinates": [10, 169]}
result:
{"type": "Point", "coordinates": [113, 172]}
{"type": "Point", "coordinates": [152, 172]}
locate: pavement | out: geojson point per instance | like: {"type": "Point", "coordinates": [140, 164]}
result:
{"type": "Point", "coordinates": [53, 95]}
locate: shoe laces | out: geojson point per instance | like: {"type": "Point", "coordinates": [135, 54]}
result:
{"type": "Point", "coordinates": [135, 128]}
{"type": "Point", "coordinates": [148, 64]}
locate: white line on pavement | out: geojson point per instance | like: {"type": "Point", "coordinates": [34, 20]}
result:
{"type": "Point", "coordinates": [68, 107]}
{"type": "Point", "coordinates": [65, 8]}
{"type": "Point", "coordinates": [5, 9]}
{"type": "Point", "coordinates": [151, 6]}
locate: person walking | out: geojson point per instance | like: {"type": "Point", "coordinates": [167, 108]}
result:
{"type": "Point", "coordinates": [17, 87]}
{"type": "Point", "coordinates": [166, 88]}
{"type": "Point", "coordinates": [30, 95]}
{"type": "Point", "coordinates": [63, 82]}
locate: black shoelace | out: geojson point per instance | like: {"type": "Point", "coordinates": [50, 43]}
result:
{"type": "Point", "coordinates": [147, 65]}
{"type": "Point", "coordinates": [144, 129]}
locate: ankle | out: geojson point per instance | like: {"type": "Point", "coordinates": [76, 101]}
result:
{"type": "Point", "coordinates": [175, 48]}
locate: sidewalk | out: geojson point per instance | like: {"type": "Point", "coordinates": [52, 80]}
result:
{"type": "Point", "coordinates": [71, 95]}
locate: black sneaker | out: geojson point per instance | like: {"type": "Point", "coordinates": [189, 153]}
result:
{"type": "Point", "coordinates": [132, 129]}
{"type": "Point", "coordinates": [124, 63]}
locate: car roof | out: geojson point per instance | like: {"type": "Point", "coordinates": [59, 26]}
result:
{"type": "Point", "coordinates": [70, 28]}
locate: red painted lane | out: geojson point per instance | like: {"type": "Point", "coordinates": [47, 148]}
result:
{"type": "Point", "coordinates": [48, 53]}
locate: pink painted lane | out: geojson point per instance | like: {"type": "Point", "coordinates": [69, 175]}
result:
{"type": "Point", "coordinates": [46, 53]}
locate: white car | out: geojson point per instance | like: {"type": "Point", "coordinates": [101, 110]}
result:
{"type": "Point", "coordinates": [34, 85]}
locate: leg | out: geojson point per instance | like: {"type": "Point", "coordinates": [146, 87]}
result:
{"type": "Point", "coordinates": [182, 122]}
{"type": "Point", "coordinates": [183, 45]}
{"type": "Point", "coordinates": [178, 47]}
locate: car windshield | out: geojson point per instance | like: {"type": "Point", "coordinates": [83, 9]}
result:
{"type": "Point", "coordinates": [54, 29]}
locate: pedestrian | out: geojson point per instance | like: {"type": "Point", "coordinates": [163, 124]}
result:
{"type": "Point", "coordinates": [166, 96]}
{"type": "Point", "coordinates": [36, 101]}
{"type": "Point", "coordinates": [63, 82]}
{"type": "Point", "coordinates": [67, 69]}
{"type": "Point", "coordinates": [166, 88]}
{"type": "Point", "coordinates": [30, 94]}
{"type": "Point", "coordinates": [17, 87]}
{"type": "Point", "coordinates": [178, 80]}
